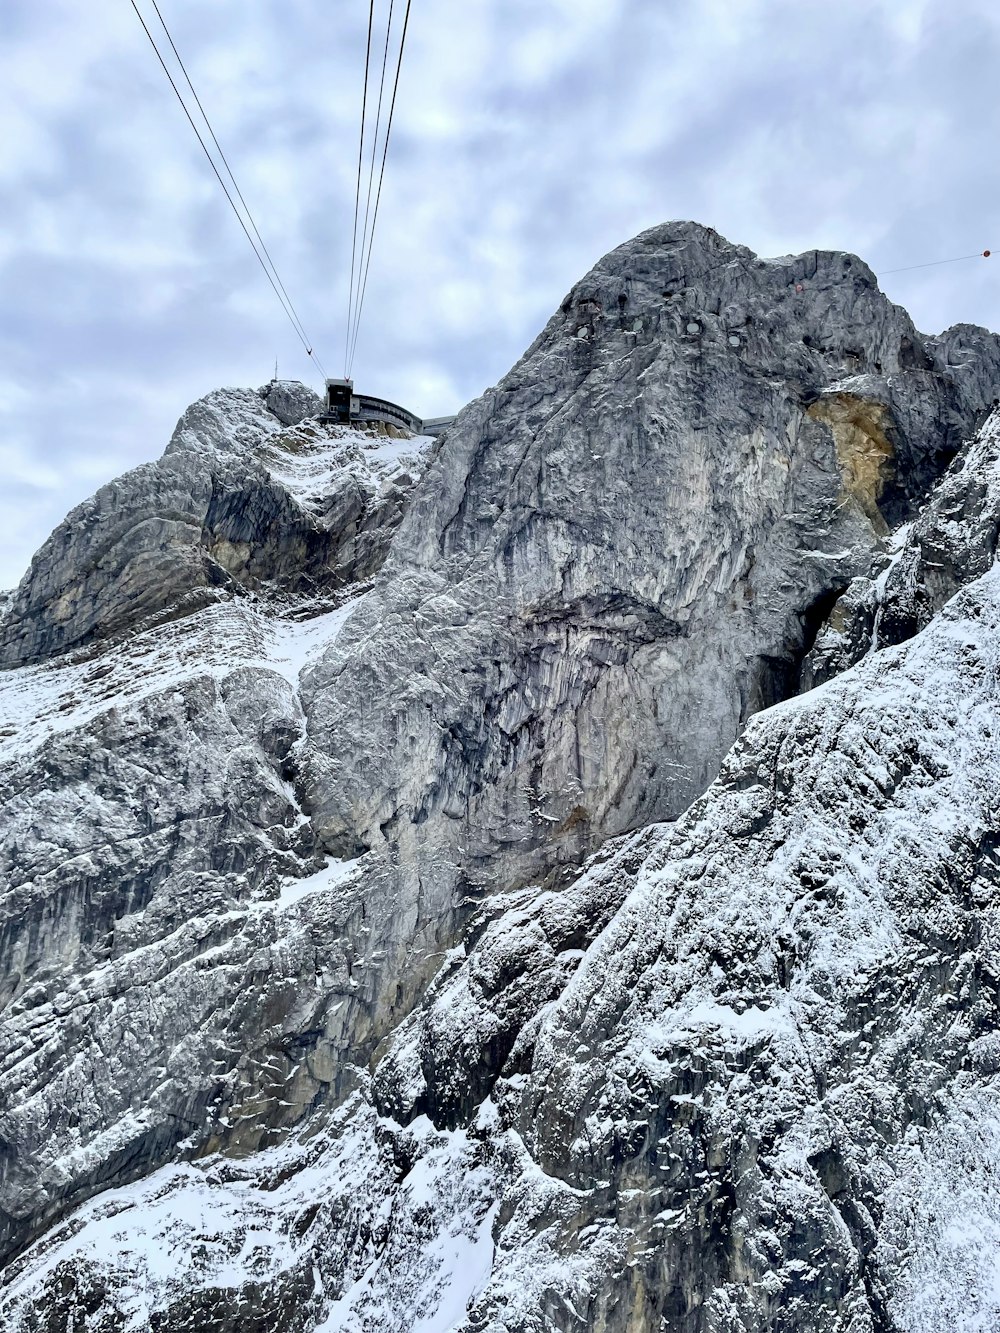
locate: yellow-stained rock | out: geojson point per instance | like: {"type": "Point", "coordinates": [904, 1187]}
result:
{"type": "Point", "coordinates": [860, 433]}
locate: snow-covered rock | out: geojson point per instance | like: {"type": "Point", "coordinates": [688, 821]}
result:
{"type": "Point", "coordinates": [317, 1014]}
{"type": "Point", "coordinates": [238, 502]}
{"type": "Point", "coordinates": [290, 401]}
{"type": "Point", "coordinates": [925, 563]}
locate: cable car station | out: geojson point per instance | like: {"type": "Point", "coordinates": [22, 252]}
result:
{"type": "Point", "coordinates": [347, 408]}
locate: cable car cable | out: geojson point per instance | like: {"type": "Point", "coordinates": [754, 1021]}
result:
{"type": "Point", "coordinates": [368, 238]}
{"type": "Point", "coordinates": [357, 188]}
{"type": "Point", "coordinates": [303, 338]}
{"type": "Point", "coordinates": [378, 197]}
{"type": "Point", "coordinates": [229, 171]}
{"type": "Point", "coordinates": [371, 179]}
{"type": "Point", "coordinates": [204, 147]}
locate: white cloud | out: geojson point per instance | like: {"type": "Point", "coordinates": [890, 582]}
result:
{"type": "Point", "coordinates": [529, 139]}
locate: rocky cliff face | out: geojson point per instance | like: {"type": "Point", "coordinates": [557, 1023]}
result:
{"type": "Point", "coordinates": [317, 1014]}
{"type": "Point", "coordinates": [235, 504]}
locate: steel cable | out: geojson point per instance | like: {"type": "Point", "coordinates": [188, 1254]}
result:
{"type": "Point", "coordinates": [378, 196]}
{"type": "Point", "coordinates": [229, 171]}
{"type": "Point", "coordinates": [371, 181]}
{"type": "Point", "coordinates": [275, 281]}
{"type": "Point", "coordinates": [933, 263]}
{"type": "Point", "coordinates": [357, 188]}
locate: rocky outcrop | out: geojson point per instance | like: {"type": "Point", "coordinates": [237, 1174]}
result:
{"type": "Point", "coordinates": [624, 550]}
{"type": "Point", "coordinates": [150, 818]}
{"type": "Point", "coordinates": [757, 1084]}
{"type": "Point", "coordinates": [241, 500]}
{"type": "Point", "coordinates": [290, 401]}
{"type": "Point", "coordinates": [739, 1073]}
{"type": "Point", "coordinates": [926, 563]}
{"type": "Point", "coordinates": [296, 938]}
{"type": "Point", "coordinates": [802, 1000]}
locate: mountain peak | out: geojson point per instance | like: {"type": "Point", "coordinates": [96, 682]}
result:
{"type": "Point", "coordinates": [541, 877]}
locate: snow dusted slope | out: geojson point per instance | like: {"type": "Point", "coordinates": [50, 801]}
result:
{"type": "Point", "coordinates": [768, 1095]}
{"type": "Point", "coordinates": [238, 502]}
{"type": "Point", "coordinates": [765, 1096]}
{"type": "Point", "coordinates": [803, 997]}
{"type": "Point", "coordinates": [312, 1019]}
{"type": "Point", "coordinates": [272, 1243]}
{"type": "Point", "coordinates": [149, 826]}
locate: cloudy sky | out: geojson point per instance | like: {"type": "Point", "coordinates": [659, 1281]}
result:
{"type": "Point", "coordinates": [531, 136]}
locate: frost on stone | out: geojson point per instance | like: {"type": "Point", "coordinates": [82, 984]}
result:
{"type": "Point", "coordinates": [238, 505]}
{"type": "Point", "coordinates": [542, 879]}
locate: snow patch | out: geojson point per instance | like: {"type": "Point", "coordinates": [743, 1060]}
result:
{"type": "Point", "coordinates": [40, 701]}
{"type": "Point", "coordinates": [333, 874]}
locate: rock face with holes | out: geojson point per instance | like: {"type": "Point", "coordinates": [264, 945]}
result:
{"type": "Point", "coordinates": [624, 549]}
{"type": "Point", "coordinates": [434, 897]}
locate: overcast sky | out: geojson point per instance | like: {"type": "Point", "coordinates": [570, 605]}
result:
{"type": "Point", "coordinates": [531, 136]}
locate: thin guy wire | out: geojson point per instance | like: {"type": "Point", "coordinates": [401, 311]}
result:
{"type": "Point", "coordinates": [934, 263]}
{"type": "Point", "coordinates": [232, 204]}
{"type": "Point", "coordinates": [385, 152]}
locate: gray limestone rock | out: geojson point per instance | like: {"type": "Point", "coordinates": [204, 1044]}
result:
{"type": "Point", "coordinates": [149, 815]}
{"type": "Point", "coordinates": [761, 1091]}
{"type": "Point", "coordinates": [236, 503]}
{"type": "Point", "coordinates": [622, 552]}
{"type": "Point", "coordinates": [752, 1082]}
{"type": "Point", "coordinates": [311, 1018]}
{"type": "Point", "coordinates": [953, 541]}
{"type": "Point", "coordinates": [755, 1062]}
{"type": "Point", "coordinates": [290, 401]}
